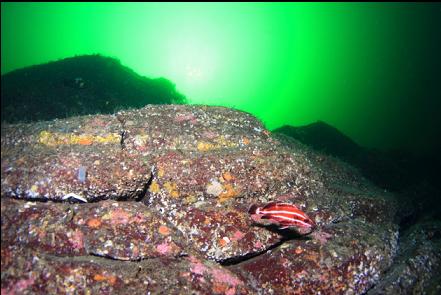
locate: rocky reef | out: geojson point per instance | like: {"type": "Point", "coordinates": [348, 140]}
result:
{"type": "Point", "coordinates": [156, 200]}
{"type": "Point", "coordinates": [79, 85]}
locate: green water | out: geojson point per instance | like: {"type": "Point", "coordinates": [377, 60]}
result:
{"type": "Point", "coordinates": [372, 70]}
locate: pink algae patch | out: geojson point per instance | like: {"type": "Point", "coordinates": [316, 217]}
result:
{"type": "Point", "coordinates": [77, 239]}
{"type": "Point", "coordinates": [196, 266]}
{"type": "Point", "coordinates": [258, 244]}
{"type": "Point", "coordinates": [256, 217]}
{"type": "Point", "coordinates": [225, 277]}
{"type": "Point", "coordinates": [209, 134]}
{"type": "Point", "coordinates": [119, 216]}
{"type": "Point", "coordinates": [20, 286]}
{"type": "Point", "coordinates": [223, 280]}
{"type": "Point", "coordinates": [321, 236]}
{"type": "Point", "coordinates": [238, 235]}
{"type": "Point", "coordinates": [163, 248]}
{"type": "Point", "coordinates": [138, 218]}
{"type": "Point", "coordinates": [182, 117]}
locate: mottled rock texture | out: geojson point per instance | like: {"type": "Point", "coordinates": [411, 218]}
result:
{"type": "Point", "coordinates": [168, 190]}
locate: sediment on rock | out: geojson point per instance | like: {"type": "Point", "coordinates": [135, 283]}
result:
{"type": "Point", "coordinates": [167, 188]}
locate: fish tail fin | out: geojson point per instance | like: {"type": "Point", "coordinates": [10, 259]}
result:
{"type": "Point", "coordinates": [253, 209]}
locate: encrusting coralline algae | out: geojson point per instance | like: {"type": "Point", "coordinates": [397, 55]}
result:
{"type": "Point", "coordinates": [158, 199]}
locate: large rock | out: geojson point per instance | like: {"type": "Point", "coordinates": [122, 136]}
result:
{"type": "Point", "coordinates": [79, 85]}
{"type": "Point", "coordinates": [348, 257]}
{"type": "Point", "coordinates": [417, 267]}
{"type": "Point", "coordinates": [324, 137]}
{"type": "Point", "coordinates": [169, 187]}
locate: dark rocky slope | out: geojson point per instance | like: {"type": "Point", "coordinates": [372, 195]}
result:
{"type": "Point", "coordinates": [80, 85]}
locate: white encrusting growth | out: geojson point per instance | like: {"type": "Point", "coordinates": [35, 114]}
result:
{"type": "Point", "coordinates": [75, 196]}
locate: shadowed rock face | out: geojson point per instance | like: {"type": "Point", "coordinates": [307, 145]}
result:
{"type": "Point", "coordinates": [168, 189]}
{"type": "Point", "coordinates": [414, 177]}
{"type": "Point", "coordinates": [80, 85]}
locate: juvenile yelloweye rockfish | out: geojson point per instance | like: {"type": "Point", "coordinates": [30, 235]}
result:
{"type": "Point", "coordinates": [284, 215]}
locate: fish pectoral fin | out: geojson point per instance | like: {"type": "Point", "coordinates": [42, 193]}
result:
{"type": "Point", "coordinates": [285, 225]}
{"type": "Point", "coordinates": [265, 217]}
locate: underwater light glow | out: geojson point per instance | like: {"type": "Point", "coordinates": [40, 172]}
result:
{"type": "Point", "coordinates": [372, 70]}
{"type": "Point", "coordinates": [192, 60]}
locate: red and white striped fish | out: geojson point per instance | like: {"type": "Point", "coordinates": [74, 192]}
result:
{"type": "Point", "coordinates": [284, 215]}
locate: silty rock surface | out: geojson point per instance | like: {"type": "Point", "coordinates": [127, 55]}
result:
{"type": "Point", "coordinates": [168, 189]}
{"type": "Point", "coordinates": [417, 267]}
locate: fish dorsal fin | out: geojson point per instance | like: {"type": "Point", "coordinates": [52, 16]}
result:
{"type": "Point", "coordinates": [269, 205]}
